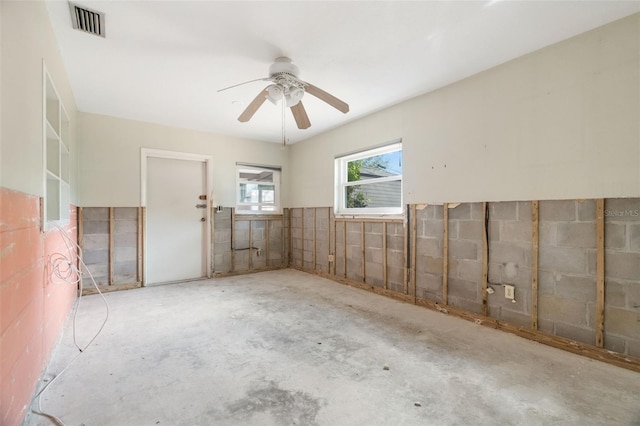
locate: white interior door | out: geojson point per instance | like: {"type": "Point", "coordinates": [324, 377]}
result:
{"type": "Point", "coordinates": [176, 221]}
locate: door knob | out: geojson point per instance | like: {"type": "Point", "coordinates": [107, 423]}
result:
{"type": "Point", "coordinates": [203, 219]}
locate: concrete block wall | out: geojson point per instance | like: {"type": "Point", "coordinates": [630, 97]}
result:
{"type": "Point", "coordinates": [465, 256]}
{"type": "Point", "coordinates": [510, 229]}
{"type": "Point", "coordinates": [95, 245]}
{"type": "Point", "coordinates": [373, 254]}
{"type": "Point", "coordinates": [566, 280]}
{"type": "Point", "coordinates": [429, 252]}
{"type": "Point", "coordinates": [125, 241]}
{"type": "Point", "coordinates": [354, 251]}
{"type": "Point", "coordinates": [622, 276]}
{"type": "Point", "coordinates": [323, 243]}
{"type": "Point", "coordinates": [395, 256]}
{"type": "Point", "coordinates": [33, 305]}
{"type": "Point", "coordinates": [296, 238]}
{"type": "Point", "coordinates": [221, 240]}
{"type": "Point", "coordinates": [249, 243]}
{"type": "Point", "coordinates": [324, 237]}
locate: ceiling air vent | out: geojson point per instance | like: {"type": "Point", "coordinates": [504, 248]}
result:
{"type": "Point", "coordinates": [87, 20]}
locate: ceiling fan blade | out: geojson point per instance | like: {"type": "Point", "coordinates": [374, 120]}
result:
{"type": "Point", "coordinates": [327, 97]}
{"type": "Point", "coordinates": [253, 107]}
{"type": "Point", "coordinates": [240, 84]}
{"type": "Point", "coordinates": [300, 115]}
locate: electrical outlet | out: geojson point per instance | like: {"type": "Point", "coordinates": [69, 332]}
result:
{"type": "Point", "coordinates": [509, 292]}
{"type": "Point", "coordinates": [330, 258]}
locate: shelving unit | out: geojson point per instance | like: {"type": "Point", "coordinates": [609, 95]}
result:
{"type": "Point", "coordinates": [56, 157]}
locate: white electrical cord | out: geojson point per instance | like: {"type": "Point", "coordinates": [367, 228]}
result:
{"type": "Point", "coordinates": [65, 270]}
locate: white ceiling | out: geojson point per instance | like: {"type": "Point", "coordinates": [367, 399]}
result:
{"type": "Point", "coordinates": [163, 61]}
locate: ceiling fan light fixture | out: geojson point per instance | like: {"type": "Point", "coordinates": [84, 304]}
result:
{"type": "Point", "coordinates": [294, 95]}
{"type": "Point", "coordinates": [274, 93]}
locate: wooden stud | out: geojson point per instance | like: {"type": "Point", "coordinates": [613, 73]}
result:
{"type": "Point", "coordinates": [485, 261]}
{"type": "Point", "coordinates": [302, 238]}
{"type": "Point", "coordinates": [266, 244]}
{"type": "Point", "coordinates": [534, 262]}
{"type": "Point", "coordinates": [363, 270]}
{"type": "Point", "coordinates": [315, 241]}
{"type": "Point", "coordinates": [414, 256]}
{"type": "Point", "coordinates": [586, 350]}
{"type": "Point", "coordinates": [282, 239]}
{"type": "Point", "coordinates": [405, 241]}
{"type": "Point", "coordinates": [369, 220]}
{"type": "Point", "coordinates": [344, 246]}
{"type": "Point", "coordinates": [335, 245]}
{"type": "Point", "coordinates": [80, 228]}
{"type": "Point", "coordinates": [445, 254]}
{"type": "Point", "coordinates": [600, 284]}
{"type": "Point", "coordinates": [139, 246]}
{"type": "Point", "coordinates": [233, 231]}
{"type": "Point", "coordinates": [385, 279]}
{"type": "Point", "coordinates": [143, 239]}
{"type": "Point", "coordinates": [290, 248]}
{"type": "Point", "coordinates": [250, 265]}
{"type": "Point", "coordinates": [112, 228]}
{"type": "Point", "coordinates": [329, 264]}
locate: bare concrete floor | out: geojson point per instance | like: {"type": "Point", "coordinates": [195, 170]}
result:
{"type": "Point", "coordinates": [289, 348]}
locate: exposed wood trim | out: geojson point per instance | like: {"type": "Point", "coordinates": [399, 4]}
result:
{"type": "Point", "coordinates": [363, 249]}
{"type": "Point", "coordinates": [405, 250]}
{"type": "Point", "coordinates": [267, 223]}
{"type": "Point", "coordinates": [335, 245]}
{"type": "Point", "coordinates": [361, 285]}
{"type": "Point", "coordinates": [250, 264]}
{"type": "Point", "coordinates": [445, 253]}
{"type": "Point", "coordinates": [302, 240]}
{"type": "Point", "coordinates": [143, 251]}
{"type": "Point", "coordinates": [139, 246]}
{"type": "Point", "coordinates": [535, 237]}
{"type": "Point", "coordinates": [414, 255]}
{"type": "Point", "coordinates": [485, 261]}
{"type": "Point", "coordinates": [109, 288]}
{"type": "Point", "coordinates": [329, 264]}
{"type": "Point", "coordinates": [245, 217]}
{"type": "Point", "coordinates": [385, 278]}
{"type": "Point", "coordinates": [344, 246]}
{"type": "Point", "coordinates": [290, 248]}
{"type": "Point", "coordinates": [600, 283]}
{"type": "Point", "coordinates": [233, 231]}
{"type": "Point", "coordinates": [563, 343]}
{"type": "Point", "coordinates": [366, 220]}
{"type": "Point", "coordinates": [80, 227]}
{"type": "Point", "coordinates": [246, 272]}
{"type": "Point", "coordinates": [282, 244]}
{"type": "Point", "coordinates": [112, 228]}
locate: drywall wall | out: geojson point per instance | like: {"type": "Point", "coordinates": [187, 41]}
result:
{"type": "Point", "coordinates": [110, 158]}
{"type": "Point", "coordinates": [27, 39]}
{"type": "Point", "coordinates": [33, 307]}
{"type": "Point", "coordinates": [561, 122]}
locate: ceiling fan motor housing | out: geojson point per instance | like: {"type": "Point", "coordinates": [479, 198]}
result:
{"type": "Point", "coordinates": [283, 65]}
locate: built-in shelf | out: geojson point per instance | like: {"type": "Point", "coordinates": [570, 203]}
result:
{"type": "Point", "coordinates": [56, 157]}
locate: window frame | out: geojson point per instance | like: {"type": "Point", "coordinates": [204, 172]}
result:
{"type": "Point", "coordinates": [277, 172]}
{"type": "Point", "coordinates": [341, 182]}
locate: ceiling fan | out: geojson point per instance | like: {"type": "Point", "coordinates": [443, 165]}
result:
{"type": "Point", "coordinates": [286, 86]}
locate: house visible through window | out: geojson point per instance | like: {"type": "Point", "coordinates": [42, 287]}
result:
{"type": "Point", "coordinates": [370, 182]}
{"type": "Point", "coordinates": [258, 189]}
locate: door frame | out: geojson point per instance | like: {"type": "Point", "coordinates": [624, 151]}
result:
{"type": "Point", "coordinates": [145, 154]}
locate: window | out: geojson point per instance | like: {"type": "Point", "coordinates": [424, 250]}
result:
{"type": "Point", "coordinates": [258, 189]}
{"type": "Point", "coordinates": [56, 156]}
{"type": "Point", "coordinates": [370, 182]}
